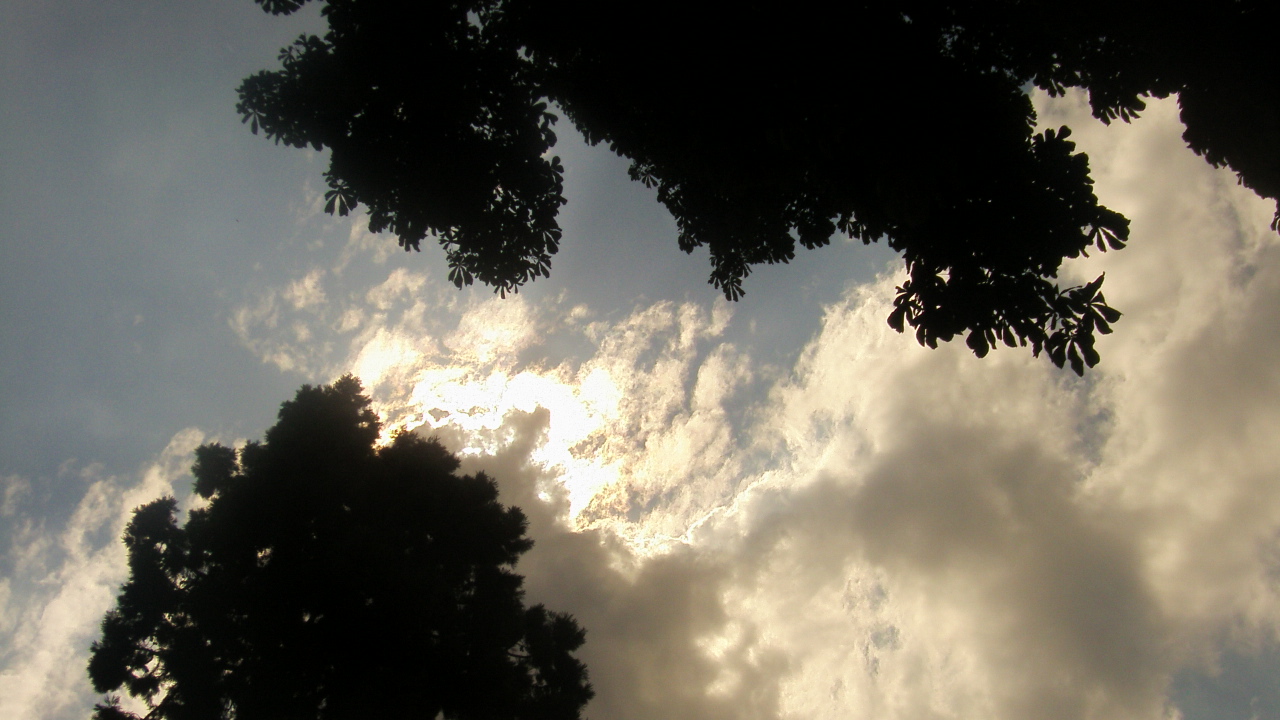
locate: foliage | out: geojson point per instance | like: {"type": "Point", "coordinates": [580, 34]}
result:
{"type": "Point", "coordinates": [327, 578]}
{"type": "Point", "coordinates": [907, 122]}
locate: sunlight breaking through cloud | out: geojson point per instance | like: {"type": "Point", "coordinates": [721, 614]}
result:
{"type": "Point", "coordinates": [882, 530]}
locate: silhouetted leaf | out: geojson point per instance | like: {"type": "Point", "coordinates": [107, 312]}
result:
{"type": "Point", "coordinates": [1006, 334]}
{"type": "Point", "coordinates": [897, 318]}
{"type": "Point", "coordinates": [1077, 365]}
{"type": "Point", "coordinates": [1091, 356]}
{"type": "Point", "coordinates": [1109, 314]}
{"type": "Point", "coordinates": [977, 343]}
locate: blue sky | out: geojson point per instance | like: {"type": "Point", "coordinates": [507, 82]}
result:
{"type": "Point", "coordinates": [774, 508]}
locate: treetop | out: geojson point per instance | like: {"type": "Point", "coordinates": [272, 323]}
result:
{"type": "Point", "coordinates": [329, 578]}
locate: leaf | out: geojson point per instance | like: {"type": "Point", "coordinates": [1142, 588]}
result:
{"type": "Point", "coordinates": [897, 318]}
{"type": "Point", "coordinates": [1077, 365]}
{"type": "Point", "coordinates": [978, 343]}
{"type": "Point", "coordinates": [1092, 288]}
{"type": "Point", "coordinates": [1109, 314]}
{"type": "Point", "coordinates": [1058, 354]}
{"type": "Point", "coordinates": [459, 276]}
{"type": "Point", "coordinates": [1091, 356]}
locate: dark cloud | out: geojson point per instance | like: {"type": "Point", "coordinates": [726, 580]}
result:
{"type": "Point", "coordinates": [653, 623]}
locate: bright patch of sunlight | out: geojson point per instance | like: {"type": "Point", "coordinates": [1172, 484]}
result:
{"type": "Point", "coordinates": [481, 405]}
{"type": "Point", "coordinates": [382, 354]}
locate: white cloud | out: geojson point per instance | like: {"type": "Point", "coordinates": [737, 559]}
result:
{"type": "Point", "coordinates": [63, 582]}
{"type": "Point", "coordinates": [307, 292]}
{"type": "Point", "coordinates": [15, 489]}
{"type": "Point", "coordinates": [938, 536]}
{"type": "Point", "coordinates": [886, 531]}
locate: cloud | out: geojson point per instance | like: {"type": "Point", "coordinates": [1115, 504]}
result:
{"type": "Point", "coordinates": [1193, 388]}
{"type": "Point", "coordinates": [918, 520]}
{"type": "Point", "coordinates": [307, 292]}
{"type": "Point", "coordinates": [660, 642]}
{"type": "Point", "coordinates": [64, 579]}
{"type": "Point", "coordinates": [937, 536]}
{"type": "Point", "coordinates": [1042, 547]}
{"type": "Point", "coordinates": [883, 530]}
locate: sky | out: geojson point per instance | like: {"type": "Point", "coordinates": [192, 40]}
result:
{"type": "Point", "coordinates": [770, 509]}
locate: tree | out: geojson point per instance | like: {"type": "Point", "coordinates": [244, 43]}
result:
{"type": "Point", "coordinates": [907, 122]}
{"type": "Point", "coordinates": [329, 578]}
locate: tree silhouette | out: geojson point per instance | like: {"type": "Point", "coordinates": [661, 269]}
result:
{"type": "Point", "coordinates": [328, 578]}
{"type": "Point", "coordinates": [775, 124]}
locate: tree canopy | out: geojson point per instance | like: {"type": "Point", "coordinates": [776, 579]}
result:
{"type": "Point", "coordinates": [328, 578]}
{"type": "Point", "coordinates": [773, 124]}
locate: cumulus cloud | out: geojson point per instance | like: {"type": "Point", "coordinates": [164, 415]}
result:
{"type": "Point", "coordinates": [1044, 547]}
{"type": "Point", "coordinates": [885, 530]}
{"type": "Point", "coordinates": [1193, 397]}
{"type": "Point", "coordinates": [660, 641]}
{"type": "Point", "coordinates": [936, 536]}
{"type": "Point", "coordinates": [936, 528]}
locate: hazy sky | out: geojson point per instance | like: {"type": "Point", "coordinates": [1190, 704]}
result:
{"type": "Point", "coordinates": [776, 508]}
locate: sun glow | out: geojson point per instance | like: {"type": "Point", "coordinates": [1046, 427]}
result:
{"type": "Point", "coordinates": [383, 354]}
{"type": "Point", "coordinates": [480, 404]}
{"type": "Point", "coordinates": [626, 409]}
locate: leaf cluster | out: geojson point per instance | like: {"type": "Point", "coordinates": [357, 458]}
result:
{"type": "Point", "coordinates": [432, 123]}
{"type": "Point", "coordinates": [905, 122]}
{"type": "Point", "coordinates": [324, 578]}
